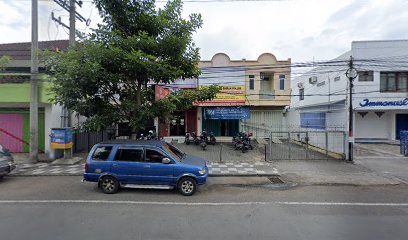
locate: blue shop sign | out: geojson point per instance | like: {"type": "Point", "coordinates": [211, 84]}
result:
{"type": "Point", "coordinates": [367, 103]}
{"type": "Point", "coordinates": [227, 113]}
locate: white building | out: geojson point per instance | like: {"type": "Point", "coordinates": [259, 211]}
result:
{"type": "Point", "coordinates": [380, 94]}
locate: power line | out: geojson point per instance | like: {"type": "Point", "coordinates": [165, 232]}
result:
{"type": "Point", "coordinates": [187, 1]}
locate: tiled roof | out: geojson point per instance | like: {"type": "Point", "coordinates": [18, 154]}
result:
{"type": "Point", "coordinates": [22, 51]}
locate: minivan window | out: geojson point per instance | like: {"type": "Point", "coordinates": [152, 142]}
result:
{"type": "Point", "coordinates": [102, 153]}
{"type": "Point", "coordinates": [153, 156]}
{"type": "Point", "coordinates": [129, 155]}
{"type": "Point", "coordinates": [175, 153]}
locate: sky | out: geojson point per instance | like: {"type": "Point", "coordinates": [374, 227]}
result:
{"type": "Point", "coordinates": [303, 30]}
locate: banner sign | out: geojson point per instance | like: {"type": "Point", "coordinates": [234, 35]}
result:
{"type": "Point", "coordinates": [382, 103]}
{"type": "Point", "coordinates": [232, 83]}
{"type": "Point", "coordinates": [230, 94]}
{"type": "Point", "coordinates": [227, 113]}
{"type": "Point", "coordinates": [218, 104]}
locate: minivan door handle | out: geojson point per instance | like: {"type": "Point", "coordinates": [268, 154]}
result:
{"type": "Point", "coordinates": [115, 165]}
{"type": "Point", "coordinates": [146, 166]}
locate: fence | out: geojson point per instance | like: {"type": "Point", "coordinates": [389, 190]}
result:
{"type": "Point", "coordinates": [293, 142]}
{"type": "Point", "coordinates": [84, 141]}
{"type": "Point", "coordinates": [305, 145]}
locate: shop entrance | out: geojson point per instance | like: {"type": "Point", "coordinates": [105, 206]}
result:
{"type": "Point", "coordinates": [224, 121]}
{"type": "Point", "coordinates": [178, 124]}
{"type": "Point", "coordinates": [401, 124]}
{"type": "Point", "coordinates": [221, 127]}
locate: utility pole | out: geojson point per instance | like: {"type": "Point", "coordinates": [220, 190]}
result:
{"type": "Point", "coordinates": [73, 15]}
{"type": "Point", "coordinates": [34, 83]}
{"type": "Point", "coordinates": [351, 74]}
{"type": "Point", "coordinates": [72, 23]}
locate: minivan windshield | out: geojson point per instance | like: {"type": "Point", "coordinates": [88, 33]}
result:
{"type": "Point", "coordinates": [175, 152]}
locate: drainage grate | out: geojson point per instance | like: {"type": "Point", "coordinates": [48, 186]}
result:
{"type": "Point", "coordinates": [276, 180]}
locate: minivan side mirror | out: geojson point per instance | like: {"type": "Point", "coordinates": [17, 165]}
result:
{"type": "Point", "coordinates": [166, 160]}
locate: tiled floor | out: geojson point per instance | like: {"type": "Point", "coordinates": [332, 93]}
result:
{"type": "Point", "coordinates": [227, 168]}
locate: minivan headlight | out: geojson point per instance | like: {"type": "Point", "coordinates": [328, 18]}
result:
{"type": "Point", "coordinates": [202, 171]}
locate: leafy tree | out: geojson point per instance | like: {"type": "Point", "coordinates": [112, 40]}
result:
{"type": "Point", "coordinates": [105, 76]}
{"type": "Point", "coordinates": [4, 61]}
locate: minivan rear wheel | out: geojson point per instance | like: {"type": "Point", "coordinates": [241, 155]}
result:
{"type": "Point", "coordinates": [187, 186]}
{"type": "Point", "coordinates": [109, 185]}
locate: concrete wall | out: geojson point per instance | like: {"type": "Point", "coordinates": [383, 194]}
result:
{"type": "Point", "coordinates": [21, 92]}
{"type": "Point", "coordinates": [372, 126]}
{"type": "Point", "coordinates": [53, 120]}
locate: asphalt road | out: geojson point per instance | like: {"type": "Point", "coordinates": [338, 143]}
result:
{"type": "Point", "coordinates": [63, 208]}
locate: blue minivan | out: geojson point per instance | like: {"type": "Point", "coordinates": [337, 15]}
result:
{"type": "Point", "coordinates": [144, 164]}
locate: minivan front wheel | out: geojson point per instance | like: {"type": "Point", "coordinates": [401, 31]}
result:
{"type": "Point", "coordinates": [187, 186]}
{"type": "Point", "coordinates": [109, 185]}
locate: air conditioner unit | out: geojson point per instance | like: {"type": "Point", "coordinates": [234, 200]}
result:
{"type": "Point", "coordinates": [300, 85]}
{"type": "Point", "coordinates": [313, 80]}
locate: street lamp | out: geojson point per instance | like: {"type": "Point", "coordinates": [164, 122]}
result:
{"type": "Point", "coordinates": [351, 74]}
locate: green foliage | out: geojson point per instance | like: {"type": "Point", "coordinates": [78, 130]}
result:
{"type": "Point", "coordinates": [105, 76]}
{"type": "Point", "coordinates": [4, 61]}
{"type": "Point", "coordinates": [183, 100]}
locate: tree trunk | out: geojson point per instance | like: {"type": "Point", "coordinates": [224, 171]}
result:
{"type": "Point", "coordinates": [138, 93]}
{"type": "Point", "coordinates": [138, 105]}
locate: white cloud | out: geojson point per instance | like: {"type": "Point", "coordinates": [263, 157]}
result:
{"type": "Point", "coordinates": [297, 29]}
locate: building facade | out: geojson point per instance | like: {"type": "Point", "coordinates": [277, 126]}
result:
{"type": "Point", "coordinates": [380, 93]}
{"type": "Point", "coordinates": [15, 99]}
{"type": "Point", "coordinates": [253, 95]}
{"type": "Point", "coordinates": [268, 84]}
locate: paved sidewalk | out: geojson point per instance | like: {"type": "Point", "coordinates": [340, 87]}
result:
{"type": "Point", "coordinates": [215, 169]}
{"type": "Point", "coordinates": [332, 172]}
{"type": "Point", "coordinates": [225, 152]}
{"type": "Point", "coordinates": [374, 165]}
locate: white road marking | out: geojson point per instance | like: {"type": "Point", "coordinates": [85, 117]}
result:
{"type": "Point", "coordinates": [351, 204]}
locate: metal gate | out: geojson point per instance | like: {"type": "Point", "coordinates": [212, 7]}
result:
{"type": "Point", "coordinates": [305, 145]}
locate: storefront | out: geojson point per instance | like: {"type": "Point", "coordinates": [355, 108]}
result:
{"type": "Point", "coordinates": [222, 115]}
{"type": "Point", "coordinates": [224, 121]}
{"type": "Point", "coordinates": [380, 118]}
{"type": "Point", "coordinates": [182, 121]}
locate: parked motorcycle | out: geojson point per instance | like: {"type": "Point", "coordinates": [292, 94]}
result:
{"type": "Point", "coordinates": [242, 141]}
{"type": "Point", "coordinates": [196, 139]}
{"type": "Point", "coordinates": [142, 137]}
{"type": "Point", "coordinates": [191, 138]}
{"type": "Point", "coordinates": [212, 140]}
{"type": "Point", "coordinates": [236, 138]}
{"type": "Point", "coordinates": [203, 140]}
{"type": "Point", "coordinates": [248, 141]}
{"type": "Point", "coordinates": [152, 135]}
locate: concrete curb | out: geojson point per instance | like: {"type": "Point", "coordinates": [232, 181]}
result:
{"type": "Point", "coordinates": [211, 175]}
